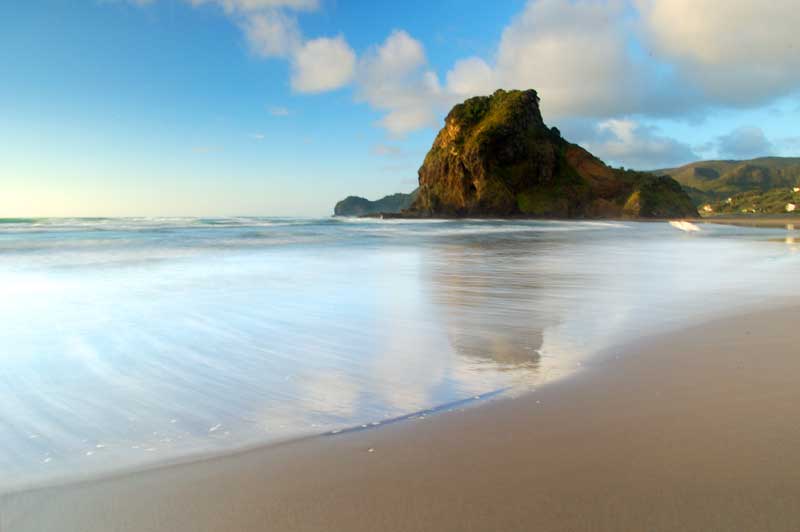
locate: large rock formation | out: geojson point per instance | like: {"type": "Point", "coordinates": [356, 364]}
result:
{"type": "Point", "coordinates": [496, 157]}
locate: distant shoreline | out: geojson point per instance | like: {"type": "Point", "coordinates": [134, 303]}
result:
{"type": "Point", "coordinates": [755, 221]}
{"type": "Point", "coordinates": [410, 216]}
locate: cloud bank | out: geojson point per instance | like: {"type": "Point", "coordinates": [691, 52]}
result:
{"type": "Point", "coordinates": [639, 146]}
{"type": "Point", "coordinates": [272, 31]}
{"type": "Point", "coordinates": [744, 142]}
{"type": "Point", "coordinates": [618, 63]}
{"type": "Point", "coordinates": [738, 52]}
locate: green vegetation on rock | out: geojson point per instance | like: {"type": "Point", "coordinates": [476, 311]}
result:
{"type": "Point", "coordinates": [658, 197]}
{"type": "Point", "coordinates": [358, 206]}
{"type": "Point", "coordinates": [496, 157]}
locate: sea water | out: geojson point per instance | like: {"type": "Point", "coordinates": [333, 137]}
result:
{"type": "Point", "coordinates": [130, 342]}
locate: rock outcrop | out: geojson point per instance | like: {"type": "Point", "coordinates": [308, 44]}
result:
{"type": "Point", "coordinates": [358, 206]}
{"type": "Point", "coordinates": [496, 157]}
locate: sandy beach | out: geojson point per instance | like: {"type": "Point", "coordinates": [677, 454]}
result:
{"type": "Point", "coordinates": [755, 221]}
{"type": "Point", "coordinates": [690, 431]}
{"type": "Point", "coordinates": [338, 266]}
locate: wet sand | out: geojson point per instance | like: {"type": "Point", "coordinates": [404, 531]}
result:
{"type": "Point", "coordinates": [697, 430]}
{"type": "Point", "coordinates": [775, 221]}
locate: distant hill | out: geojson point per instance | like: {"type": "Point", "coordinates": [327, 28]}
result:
{"type": "Point", "coordinates": [763, 186]}
{"type": "Point", "coordinates": [358, 206]}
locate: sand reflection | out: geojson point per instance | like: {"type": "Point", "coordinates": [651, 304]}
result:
{"type": "Point", "coordinates": [486, 295]}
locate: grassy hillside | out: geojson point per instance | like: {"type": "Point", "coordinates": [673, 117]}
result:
{"type": "Point", "coordinates": [764, 185]}
{"type": "Point", "coordinates": [778, 201]}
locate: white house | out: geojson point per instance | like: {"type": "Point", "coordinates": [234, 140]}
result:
{"type": "Point", "coordinates": [790, 207]}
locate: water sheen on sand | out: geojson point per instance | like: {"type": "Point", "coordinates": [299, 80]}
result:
{"type": "Point", "coordinates": [125, 342]}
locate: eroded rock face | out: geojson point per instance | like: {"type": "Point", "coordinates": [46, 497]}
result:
{"type": "Point", "coordinates": [496, 157]}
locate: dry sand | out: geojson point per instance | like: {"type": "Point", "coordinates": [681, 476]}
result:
{"type": "Point", "coordinates": [698, 430]}
{"type": "Point", "coordinates": [774, 221]}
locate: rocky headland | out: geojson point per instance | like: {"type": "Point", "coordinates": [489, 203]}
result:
{"type": "Point", "coordinates": [496, 157]}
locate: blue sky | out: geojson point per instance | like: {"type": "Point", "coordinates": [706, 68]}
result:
{"type": "Point", "coordinates": [282, 107]}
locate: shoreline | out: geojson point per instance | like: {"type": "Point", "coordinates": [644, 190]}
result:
{"type": "Point", "coordinates": [765, 220]}
{"type": "Point", "coordinates": [259, 446]}
{"type": "Point", "coordinates": [600, 357]}
{"type": "Point", "coordinates": [301, 479]}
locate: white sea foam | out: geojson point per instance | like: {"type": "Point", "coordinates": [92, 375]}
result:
{"type": "Point", "coordinates": [683, 225]}
{"type": "Point", "coordinates": [124, 342]}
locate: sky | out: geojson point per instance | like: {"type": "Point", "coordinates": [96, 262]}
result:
{"type": "Point", "coordinates": [283, 107]}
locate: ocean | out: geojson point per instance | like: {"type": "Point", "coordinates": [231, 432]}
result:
{"type": "Point", "coordinates": [125, 343]}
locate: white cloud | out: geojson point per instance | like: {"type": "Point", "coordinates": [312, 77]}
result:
{"type": "Point", "coordinates": [588, 59]}
{"type": "Point", "coordinates": [394, 78]}
{"type": "Point", "coordinates": [744, 143]}
{"type": "Point", "coordinates": [271, 29]}
{"type": "Point", "coordinates": [272, 34]}
{"type": "Point", "coordinates": [634, 145]}
{"type": "Point", "coordinates": [399, 55]}
{"type": "Point", "coordinates": [739, 52]}
{"type": "Point", "coordinates": [578, 55]}
{"type": "Point", "coordinates": [258, 5]}
{"type": "Point", "coordinates": [323, 64]}
{"type": "Point", "coordinates": [471, 77]}
{"type": "Point", "coordinates": [574, 54]}
{"type": "Point", "coordinates": [402, 121]}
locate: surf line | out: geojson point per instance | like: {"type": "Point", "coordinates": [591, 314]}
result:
{"type": "Point", "coordinates": [419, 413]}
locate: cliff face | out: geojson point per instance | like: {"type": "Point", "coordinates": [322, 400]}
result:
{"type": "Point", "coordinates": [496, 157]}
